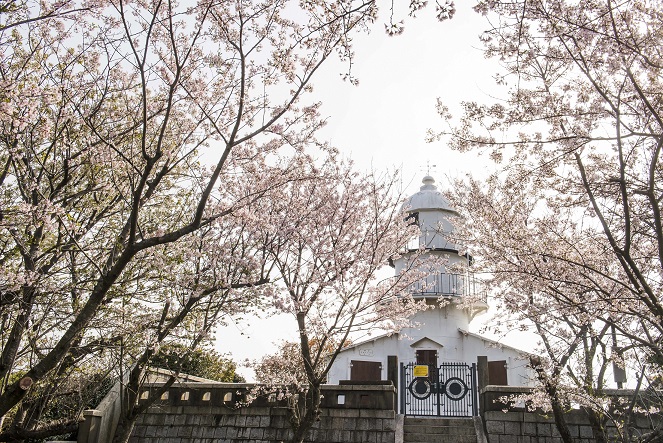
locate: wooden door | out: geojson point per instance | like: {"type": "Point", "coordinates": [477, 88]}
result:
{"type": "Point", "coordinates": [497, 373]}
{"type": "Point", "coordinates": [365, 370]}
{"type": "Point", "coordinates": [428, 357]}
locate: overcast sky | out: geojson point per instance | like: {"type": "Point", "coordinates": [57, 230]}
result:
{"type": "Point", "coordinates": [382, 122]}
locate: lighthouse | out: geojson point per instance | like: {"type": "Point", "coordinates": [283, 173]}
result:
{"type": "Point", "coordinates": [452, 293]}
{"type": "Point", "coordinates": [433, 364]}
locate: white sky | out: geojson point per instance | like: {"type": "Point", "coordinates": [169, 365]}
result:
{"type": "Point", "coordinates": [382, 123]}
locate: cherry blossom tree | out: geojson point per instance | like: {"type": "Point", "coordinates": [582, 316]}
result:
{"type": "Point", "coordinates": [116, 231]}
{"type": "Point", "coordinates": [285, 366]}
{"type": "Point", "coordinates": [328, 240]}
{"type": "Point", "coordinates": [530, 255]}
{"type": "Point", "coordinates": [570, 226]}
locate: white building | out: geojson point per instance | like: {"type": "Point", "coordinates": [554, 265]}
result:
{"type": "Point", "coordinates": [443, 336]}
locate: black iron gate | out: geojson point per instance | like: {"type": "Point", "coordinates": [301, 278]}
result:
{"type": "Point", "coordinates": [448, 390]}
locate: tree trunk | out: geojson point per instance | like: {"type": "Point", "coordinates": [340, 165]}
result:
{"type": "Point", "coordinates": [596, 420]}
{"type": "Point", "coordinates": [558, 413]}
{"type": "Point", "coordinates": [131, 407]}
{"type": "Point", "coordinates": [308, 412]}
{"type": "Point", "coordinates": [124, 429]}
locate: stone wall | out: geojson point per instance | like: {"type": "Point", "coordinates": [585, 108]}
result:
{"type": "Point", "coordinates": [199, 412]}
{"type": "Point", "coordinates": [206, 413]}
{"type": "Point", "coordinates": [527, 427]}
{"type": "Point", "coordinates": [512, 423]}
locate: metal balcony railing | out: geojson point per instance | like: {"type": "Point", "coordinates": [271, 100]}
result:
{"type": "Point", "coordinates": [451, 285]}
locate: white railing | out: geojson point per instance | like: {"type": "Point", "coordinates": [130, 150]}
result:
{"type": "Point", "coordinates": [451, 285]}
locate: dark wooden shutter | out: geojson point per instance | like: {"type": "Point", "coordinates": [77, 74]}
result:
{"type": "Point", "coordinates": [497, 373]}
{"type": "Point", "coordinates": [365, 370]}
{"type": "Point", "coordinates": [428, 357]}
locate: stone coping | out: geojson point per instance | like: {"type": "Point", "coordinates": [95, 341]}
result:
{"type": "Point", "coordinates": [506, 389]}
{"type": "Point", "coordinates": [373, 397]}
{"type": "Point", "coordinates": [528, 389]}
{"type": "Point", "coordinates": [492, 397]}
{"type": "Point", "coordinates": [219, 385]}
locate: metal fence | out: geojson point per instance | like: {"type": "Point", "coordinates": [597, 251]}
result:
{"type": "Point", "coordinates": [448, 390]}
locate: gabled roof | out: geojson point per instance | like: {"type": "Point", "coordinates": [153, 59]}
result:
{"type": "Point", "coordinates": [462, 331]}
{"type": "Point", "coordinates": [412, 345]}
{"type": "Point", "coordinates": [494, 342]}
{"type": "Point", "coordinates": [372, 339]}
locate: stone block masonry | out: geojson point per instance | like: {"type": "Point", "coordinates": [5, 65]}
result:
{"type": "Point", "coordinates": [526, 427]}
{"type": "Point", "coordinates": [507, 423]}
{"type": "Point", "coordinates": [208, 413]}
{"type": "Point", "coordinates": [351, 413]}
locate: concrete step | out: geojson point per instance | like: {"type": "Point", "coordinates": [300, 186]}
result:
{"type": "Point", "coordinates": [439, 430]}
{"type": "Point", "coordinates": [434, 438]}
{"type": "Point", "coordinates": [439, 421]}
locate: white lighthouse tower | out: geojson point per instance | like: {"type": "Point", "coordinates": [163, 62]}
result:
{"type": "Point", "coordinates": [441, 346]}
{"type": "Point", "coordinates": [452, 292]}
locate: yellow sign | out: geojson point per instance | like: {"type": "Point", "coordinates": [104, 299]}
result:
{"type": "Point", "coordinates": [420, 371]}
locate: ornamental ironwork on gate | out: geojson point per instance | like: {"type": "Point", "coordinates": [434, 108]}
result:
{"type": "Point", "coordinates": [448, 390]}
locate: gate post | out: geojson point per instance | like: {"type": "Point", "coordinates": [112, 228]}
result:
{"type": "Point", "coordinates": [483, 377]}
{"type": "Point", "coordinates": [392, 370]}
{"type": "Point", "coordinates": [401, 390]}
{"type": "Point", "coordinates": [438, 386]}
{"type": "Point", "coordinates": [482, 372]}
{"type": "Point", "coordinates": [475, 388]}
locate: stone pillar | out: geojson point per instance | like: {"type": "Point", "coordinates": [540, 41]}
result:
{"type": "Point", "coordinates": [482, 380]}
{"type": "Point", "coordinates": [89, 430]}
{"type": "Point", "coordinates": [392, 370]}
{"type": "Point", "coordinates": [482, 372]}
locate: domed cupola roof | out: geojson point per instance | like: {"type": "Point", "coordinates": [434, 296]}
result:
{"type": "Point", "coordinates": [428, 198]}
